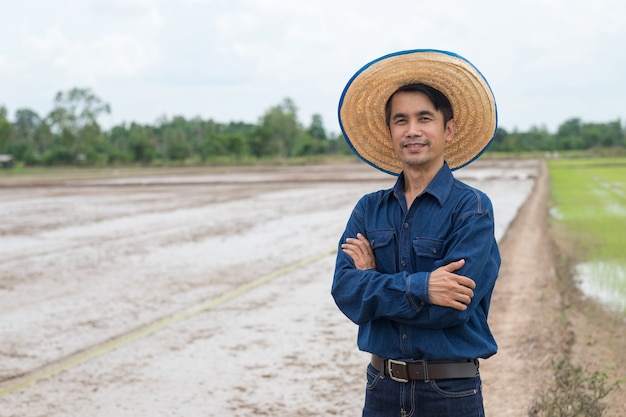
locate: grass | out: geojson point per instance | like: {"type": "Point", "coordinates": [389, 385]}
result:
{"type": "Point", "coordinates": [589, 198]}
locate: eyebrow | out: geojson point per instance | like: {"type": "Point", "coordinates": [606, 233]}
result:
{"type": "Point", "coordinates": [420, 113]}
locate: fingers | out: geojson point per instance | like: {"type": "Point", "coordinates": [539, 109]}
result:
{"type": "Point", "coordinates": [464, 295]}
{"type": "Point", "coordinates": [359, 245]}
{"type": "Point", "coordinates": [466, 282]}
{"type": "Point", "coordinates": [457, 305]}
{"type": "Point", "coordinates": [453, 266]}
{"type": "Point", "coordinates": [360, 241]}
{"type": "Point", "coordinates": [360, 251]}
{"type": "Point", "coordinates": [458, 299]}
{"type": "Point", "coordinates": [448, 289]}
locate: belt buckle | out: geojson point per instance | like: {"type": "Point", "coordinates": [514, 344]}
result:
{"type": "Point", "coordinates": [390, 363]}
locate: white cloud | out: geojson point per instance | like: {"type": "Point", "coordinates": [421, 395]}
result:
{"type": "Point", "coordinates": [233, 59]}
{"type": "Point", "coordinates": [5, 66]}
{"type": "Point", "coordinates": [85, 51]}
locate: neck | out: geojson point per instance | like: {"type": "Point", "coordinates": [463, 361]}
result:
{"type": "Point", "coordinates": [416, 179]}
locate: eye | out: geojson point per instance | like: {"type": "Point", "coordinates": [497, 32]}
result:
{"type": "Point", "coordinates": [400, 121]}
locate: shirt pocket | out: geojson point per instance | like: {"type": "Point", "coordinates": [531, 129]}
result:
{"type": "Point", "coordinates": [431, 249]}
{"type": "Point", "coordinates": [383, 244]}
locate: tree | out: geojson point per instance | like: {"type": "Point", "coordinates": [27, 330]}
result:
{"type": "Point", "coordinates": [176, 146]}
{"type": "Point", "coordinates": [142, 148]}
{"type": "Point", "coordinates": [277, 132]}
{"type": "Point", "coordinates": [498, 139]}
{"type": "Point", "coordinates": [42, 138]}
{"type": "Point", "coordinates": [535, 139]}
{"type": "Point", "coordinates": [316, 130]}
{"type": "Point", "coordinates": [74, 119]}
{"type": "Point", "coordinates": [26, 124]}
{"type": "Point", "coordinates": [28, 141]}
{"type": "Point", "coordinates": [338, 146]}
{"type": "Point", "coordinates": [6, 131]}
{"type": "Point", "coordinates": [591, 135]}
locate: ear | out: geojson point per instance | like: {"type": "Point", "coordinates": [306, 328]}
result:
{"type": "Point", "coordinates": [450, 130]}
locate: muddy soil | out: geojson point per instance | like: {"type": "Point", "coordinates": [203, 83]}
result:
{"type": "Point", "coordinates": [206, 293]}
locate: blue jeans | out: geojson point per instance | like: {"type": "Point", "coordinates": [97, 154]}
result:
{"type": "Point", "coordinates": [385, 397]}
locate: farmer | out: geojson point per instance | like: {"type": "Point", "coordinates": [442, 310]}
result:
{"type": "Point", "coordinates": [418, 262]}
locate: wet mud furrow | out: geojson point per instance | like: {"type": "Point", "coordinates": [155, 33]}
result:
{"type": "Point", "coordinates": [84, 284]}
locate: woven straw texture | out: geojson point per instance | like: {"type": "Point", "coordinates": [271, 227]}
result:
{"type": "Point", "coordinates": [362, 106]}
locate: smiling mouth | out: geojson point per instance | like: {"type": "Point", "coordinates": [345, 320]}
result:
{"type": "Point", "coordinates": [414, 145]}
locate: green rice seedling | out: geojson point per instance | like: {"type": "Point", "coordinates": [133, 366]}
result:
{"type": "Point", "coordinates": [589, 197]}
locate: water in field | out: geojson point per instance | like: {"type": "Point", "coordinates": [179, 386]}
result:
{"type": "Point", "coordinates": [604, 281]}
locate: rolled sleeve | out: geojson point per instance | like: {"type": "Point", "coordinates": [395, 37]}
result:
{"type": "Point", "coordinates": [417, 290]}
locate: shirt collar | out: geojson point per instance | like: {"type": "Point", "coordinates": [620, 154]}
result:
{"type": "Point", "coordinates": [439, 187]}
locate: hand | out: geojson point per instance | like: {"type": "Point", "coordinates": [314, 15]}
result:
{"type": "Point", "coordinates": [448, 289]}
{"type": "Point", "coordinates": [360, 251]}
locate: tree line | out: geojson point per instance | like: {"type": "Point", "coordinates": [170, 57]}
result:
{"type": "Point", "coordinates": [71, 135]}
{"type": "Point", "coordinates": [571, 135]}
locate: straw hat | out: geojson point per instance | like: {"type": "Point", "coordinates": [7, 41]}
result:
{"type": "Point", "coordinates": [362, 105]}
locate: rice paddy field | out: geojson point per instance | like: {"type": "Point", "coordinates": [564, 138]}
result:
{"type": "Point", "coordinates": [589, 198]}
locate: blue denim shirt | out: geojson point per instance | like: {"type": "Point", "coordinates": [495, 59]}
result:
{"type": "Point", "coordinates": [448, 221]}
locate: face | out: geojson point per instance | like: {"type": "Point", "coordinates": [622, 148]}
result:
{"type": "Point", "coordinates": [417, 131]}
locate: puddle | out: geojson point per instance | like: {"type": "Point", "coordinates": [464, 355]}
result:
{"type": "Point", "coordinates": [604, 282]}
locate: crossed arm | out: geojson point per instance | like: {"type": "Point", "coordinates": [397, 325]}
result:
{"type": "Point", "coordinates": [445, 288]}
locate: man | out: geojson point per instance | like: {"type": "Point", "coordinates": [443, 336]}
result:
{"type": "Point", "coordinates": [418, 263]}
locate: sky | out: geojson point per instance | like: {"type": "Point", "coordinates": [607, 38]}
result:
{"type": "Point", "coordinates": [546, 61]}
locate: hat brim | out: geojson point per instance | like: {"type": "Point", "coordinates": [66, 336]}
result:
{"type": "Point", "coordinates": [362, 105]}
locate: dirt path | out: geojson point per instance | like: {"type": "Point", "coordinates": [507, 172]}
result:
{"type": "Point", "coordinates": [524, 310]}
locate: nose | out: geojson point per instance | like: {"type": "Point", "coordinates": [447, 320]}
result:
{"type": "Point", "coordinates": [414, 129]}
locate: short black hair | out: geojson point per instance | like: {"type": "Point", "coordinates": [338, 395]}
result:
{"type": "Point", "coordinates": [439, 100]}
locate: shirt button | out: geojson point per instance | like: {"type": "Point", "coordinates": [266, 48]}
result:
{"type": "Point", "coordinates": [406, 225]}
{"type": "Point", "coordinates": [403, 263]}
{"type": "Point", "coordinates": [405, 336]}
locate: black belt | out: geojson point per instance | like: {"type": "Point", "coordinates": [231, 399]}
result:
{"type": "Point", "coordinates": [425, 370]}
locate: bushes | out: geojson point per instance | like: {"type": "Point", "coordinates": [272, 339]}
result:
{"type": "Point", "coordinates": [574, 393]}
